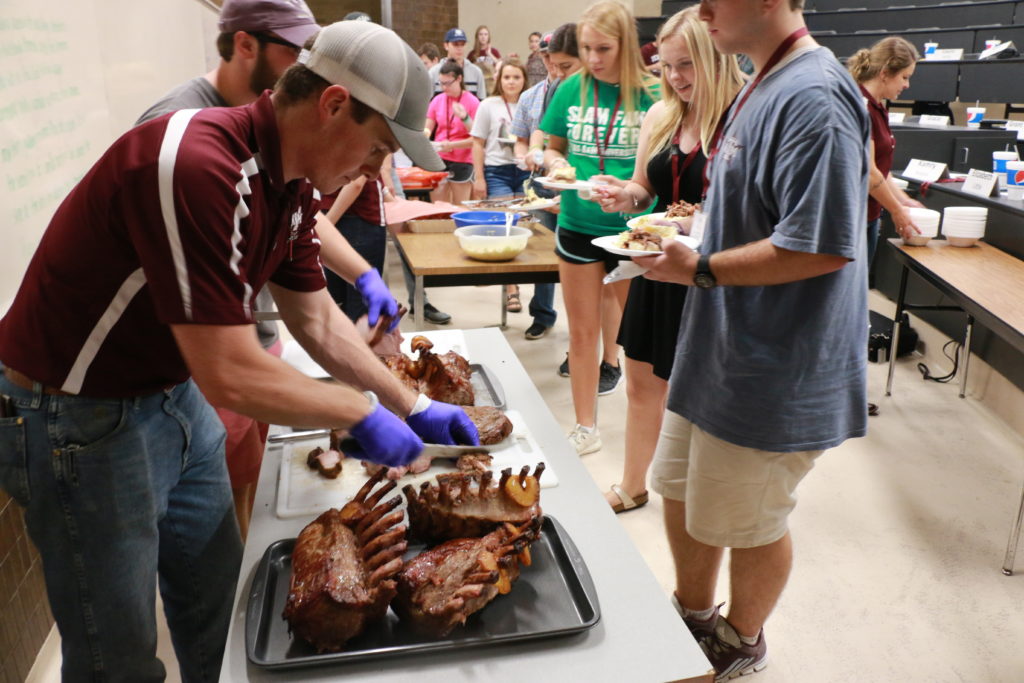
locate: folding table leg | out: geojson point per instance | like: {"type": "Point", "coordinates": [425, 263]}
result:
{"type": "Point", "coordinates": [504, 307]}
{"type": "Point", "coordinates": [417, 300]}
{"type": "Point", "coordinates": [967, 354]}
{"type": "Point", "coordinates": [1011, 544]}
{"type": "Point", "coordinates": [896, 329]}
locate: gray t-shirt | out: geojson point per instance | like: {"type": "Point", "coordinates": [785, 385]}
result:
{"type": "Point", "coordinates": [783, 368]}
{"type": "Point", "coordinates": [199, 93]}
{"type": "Point", "coordinates": [472, 79]}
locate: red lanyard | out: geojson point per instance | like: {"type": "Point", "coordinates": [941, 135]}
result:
{"type": "Point", "coordinates": [507, 109]}
{"type": "Point", "coordinates": [732, 112]}
{"type": "Point", "coordinates": [448, 110]}
{"type": "Point", "coordinates": [601, 146]}
{"type": "Point", "coordinates": [677, 173]}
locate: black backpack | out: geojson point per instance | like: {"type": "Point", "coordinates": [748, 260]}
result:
{"type": "Point", "coordinates": [880, 337]}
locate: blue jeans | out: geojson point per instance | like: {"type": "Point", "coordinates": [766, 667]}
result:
{"type": "Point", "coordinates": [505, 181]}
{"type": "Point", "coordinates": [542, 305]}
{"type": "Point", "coordinates": [370, 241]}
{"type": "Point", "coordinates": [116, 493]}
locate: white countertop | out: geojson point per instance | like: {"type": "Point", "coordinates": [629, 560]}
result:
{"type": "Point", "coordinates": [639, 638]}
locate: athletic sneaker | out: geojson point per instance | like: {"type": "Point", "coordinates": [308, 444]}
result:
{"type": "Point", "coordinates": [563, 369]}
{"type": "Point", "coordinates": [585, 441]}
{"type": "Point", "coordinates": [536, 331]}
{"type": "Point", "coordinates": [699, 628]}
{"type": "Point", "coordinates": [611, 375]}
{"type": "Point", "coordinates": [730, 656]}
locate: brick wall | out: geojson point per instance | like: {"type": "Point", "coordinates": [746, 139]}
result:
{"type": "Point", "coordinates": [25, 618]}
{"type": "Point", "coordinates": [424, 21]}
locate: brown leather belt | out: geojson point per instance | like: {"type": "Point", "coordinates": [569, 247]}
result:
{"type": "Point", "coordinates": [18, 379]}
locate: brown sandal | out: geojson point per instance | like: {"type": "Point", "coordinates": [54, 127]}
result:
{"type": "Point", "coordinates": [627, 502]}
{"type": "Point", "coordinates": [512, 303]}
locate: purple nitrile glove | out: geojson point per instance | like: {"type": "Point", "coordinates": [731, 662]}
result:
{"type": "Point", "coordinates": [384, 439]}
{"type": "Point", "coordinates": [377, 298]}
{"type": "Point", "coordinates": [443, 423]}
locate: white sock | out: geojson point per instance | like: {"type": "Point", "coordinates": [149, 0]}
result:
{"type": "Point", "coordinates": [746, 640]}
{"type": "Point", "coordinates": [701, 614]}
{"type": "Point", "coordinates": [587, 430]}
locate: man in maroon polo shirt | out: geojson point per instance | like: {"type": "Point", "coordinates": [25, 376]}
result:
{"type": "Point", "coordinates": [141, 293]}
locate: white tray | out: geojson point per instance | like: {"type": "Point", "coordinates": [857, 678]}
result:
{"type": "Point", "coordinates": [301, 492]}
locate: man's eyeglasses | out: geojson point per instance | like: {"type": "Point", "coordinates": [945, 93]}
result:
{"type": "Point", "coordinates": [265, 38]}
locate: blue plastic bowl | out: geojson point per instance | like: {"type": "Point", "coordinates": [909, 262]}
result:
{"type": "Point", "coordinates": [465, 218]}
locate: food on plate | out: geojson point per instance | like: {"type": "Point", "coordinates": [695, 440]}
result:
{"type": "Point", "coordinates": [681, 209]}
{"type": "Point", "coordinates": [443, 377]}
{"type": "Point", "coordinates": [563, 174]}
{"type": "Point", "coordinates": [439, 588]}
{"type": "Point", "coordinates": [326, 463]}
{"type": "Point", "coordinates": [492, 424]}
{"type": "Point", "coordinates": [474, 462]}
{"type": "Point", "coordinates": [344, 566]}
{"type": "Point", "coordinates": [646, 236]}
{"type": "Point", "coordinates": [462, 504]}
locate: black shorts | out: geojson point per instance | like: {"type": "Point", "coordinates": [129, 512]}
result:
{"type": "Point", "coordinates": [576, 248]}
{"type": "Point", "coordinates": [458, 172]}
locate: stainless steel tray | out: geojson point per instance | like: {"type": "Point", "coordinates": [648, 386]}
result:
{"type": "Point", "coordinates": [554, 596]}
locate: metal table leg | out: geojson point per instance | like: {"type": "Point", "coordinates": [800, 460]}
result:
{"type": "Point", "coordinates": [418, 297]}
{"type": "Point", "coordinates": [896, 329]}
{"type": "Point", "coordinates": [504, 307]}
{"type": "Point", "coordinates": [967, 354]}
{"type": "Point", "coordinates": [1011, 544]}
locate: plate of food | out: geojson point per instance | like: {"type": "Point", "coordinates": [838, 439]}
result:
{"type": "Point", "coordinates": [680, 209]}
{"type": "Point", "coordinates": [644, 241]}
{"type": "Point", "coordinates": [564, 178]}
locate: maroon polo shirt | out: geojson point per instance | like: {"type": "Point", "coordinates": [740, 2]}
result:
{"type": "Point", "coordinates": [884, 141]}
{"type": "Point", "coordinates": [181, 221]}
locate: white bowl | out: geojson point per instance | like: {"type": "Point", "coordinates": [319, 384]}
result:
{"type": "Point", "coordinates": [489, 242]}
{"type": "Point", "coordinates": [923, 215]}
{"type": "Point", "coordinates": [961, 241]}
{"type": "Point", "coordinates": [917, 240]}
{"type": "Point", "coordinates": [965, 211]}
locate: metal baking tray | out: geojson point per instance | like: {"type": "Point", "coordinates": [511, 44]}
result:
{"type": "Point", "coordinates": [554, 596]}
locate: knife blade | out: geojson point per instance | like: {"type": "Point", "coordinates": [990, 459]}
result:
{"type": "Point", "coordinates": [436, 450]}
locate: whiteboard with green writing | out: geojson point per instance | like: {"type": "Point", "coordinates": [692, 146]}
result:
{"type": "Point", "coordinates": [74, 75]}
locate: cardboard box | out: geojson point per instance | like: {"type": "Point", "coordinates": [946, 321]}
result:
{"type": "Point", "coordinates": [431, 225]}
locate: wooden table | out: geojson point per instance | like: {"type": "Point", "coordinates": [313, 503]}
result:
{"type": "Point", "coordinates": [987, 284]}
{"type": "Point", "coordinates": [436, 260]}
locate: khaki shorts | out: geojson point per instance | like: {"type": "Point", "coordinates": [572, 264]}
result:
{"type": "Point", "coordinates": [735, 497]}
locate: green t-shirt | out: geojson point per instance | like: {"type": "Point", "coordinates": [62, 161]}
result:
{"type": "Point", "coordinates": [565, 119]}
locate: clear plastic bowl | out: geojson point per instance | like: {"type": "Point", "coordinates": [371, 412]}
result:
{"type": "Point", "coordinates": [489, 242]}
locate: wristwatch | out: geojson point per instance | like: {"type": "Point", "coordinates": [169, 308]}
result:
{"type": "Point", "coordinates": [703, 277]}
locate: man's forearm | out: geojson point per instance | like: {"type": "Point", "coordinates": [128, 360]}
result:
{"type": "Point", "coordinates": [762, 263]}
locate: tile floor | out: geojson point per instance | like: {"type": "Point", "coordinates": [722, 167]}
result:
{"type": "Point", "coordinates": [899, 536]}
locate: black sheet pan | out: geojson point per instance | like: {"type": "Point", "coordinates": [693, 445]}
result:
{"type": "Point", "coordinates": [554, 596]}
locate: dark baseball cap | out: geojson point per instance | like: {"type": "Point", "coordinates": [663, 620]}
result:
{"type": "Point", "coordinates": [454, 35]}
{"type": "Point", "coordinates": [545, 41]}
{"type": "Point", "coordinates": [289, 19]}
{"type": "Point", "coordinates": [382, 72]}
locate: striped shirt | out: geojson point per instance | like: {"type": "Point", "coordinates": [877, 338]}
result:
{"type": "Point", "coordinates": [530, 110]}
{"type": "Point", "coordinates": [181, 221]}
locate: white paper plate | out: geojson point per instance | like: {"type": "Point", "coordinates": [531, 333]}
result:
{"type": "Point", "coordinates": [634, 222]}
{"type": "Point", "coordinates": [558, 185]}
{"type": "Point", "coordinates": [608, 244]}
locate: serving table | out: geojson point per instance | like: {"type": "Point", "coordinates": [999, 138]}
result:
{"type": "Point", "coordinates": [436, 260]}
{"type": "Point", "coordinates": [638, 638]}
{"type": "Point", "coordinates": [986, 283]}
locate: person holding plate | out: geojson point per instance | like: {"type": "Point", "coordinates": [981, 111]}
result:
{"type": "Point", "coordinates": [593, 124]}
{"type": "Point", "coordinates": [698, 83]}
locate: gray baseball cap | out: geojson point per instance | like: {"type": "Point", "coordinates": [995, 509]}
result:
{"type": "Point", "coordinates": [382, 72]}
{"type": "Point", "coordinates": [290, 19]}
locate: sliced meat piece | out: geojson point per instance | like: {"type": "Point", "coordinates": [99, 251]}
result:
{"type": "Point", "coordinates": [492, 424]}
{"type": "Point", "coordinates": [327, 463]}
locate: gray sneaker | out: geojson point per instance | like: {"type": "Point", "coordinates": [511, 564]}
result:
{"type": "Point", "coordinates": [611, 375]}
{"type": "Point", "coordinates": [730, 656]}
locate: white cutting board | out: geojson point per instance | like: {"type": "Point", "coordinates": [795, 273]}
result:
{"type": "Point", "coordinates": [443, 340]}
{"type": "Point", "coordinates": [301, 492]}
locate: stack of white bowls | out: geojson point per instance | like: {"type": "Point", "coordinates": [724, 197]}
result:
{"type": "Point", "coordinates": [927, 221]}
{"type": "Point", "coordinates": [964, 225]}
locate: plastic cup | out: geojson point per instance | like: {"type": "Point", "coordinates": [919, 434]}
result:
{"type": "Point", "coordinates": [999, 160]}
{"type": "Point", "coordinates": [991, 43]}
{"type": "Point", "coordinates": [974, 116]}
{"type": "Point", "coordinates": [1015, 192]}
{"type": "Point", "coordinates": [1014, 174]}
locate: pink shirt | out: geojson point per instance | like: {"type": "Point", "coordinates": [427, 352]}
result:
{"type": "Point", "coordinates": [182, 220]}
{"type": "Point", "coordinates": [450, 126]}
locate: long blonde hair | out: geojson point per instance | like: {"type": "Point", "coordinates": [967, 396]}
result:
{"type": "Point", "coordinates": [615, 20]}
{"type": "Point", "coordinates": [717, 79]}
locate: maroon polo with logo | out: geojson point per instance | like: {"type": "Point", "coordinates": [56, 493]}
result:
{"type": "Point", "coordinates": [885, 144]}
{"type": "Point", "coordinates": [181, 221]}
